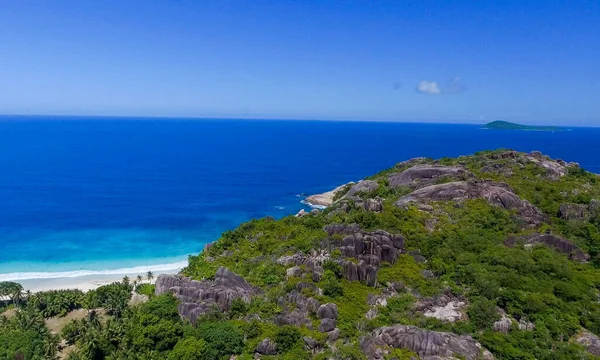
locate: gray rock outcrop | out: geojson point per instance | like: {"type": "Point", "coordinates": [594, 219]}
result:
{"type": "Point", "coordinates": [326, 199]}
{"type": "Point", "coordinates": [494, 193]}
{"type": "Point", "coordinates": [199, 297]}
{"type": "Point", "coordinates": [503, 325]}
{"type": "Point", "coordinates": [328, 311]}
{"type": "Point", "coordinates": [558, 243]}
{"type": "Point", "coordinates": [363, 186]}
{"type": "Point", "coordinates": [429, 345]}
{"type": "Point", "coordinates": [444, 307]}
{"type": "Point", "coordinates": [296, 309]}
{"type": "Point", "coordinates": [328, 314]}
{"type": "Point", "coordinates": [267, 347]}
{"type": "Point", "coordinates": [569, 211]}
{"type": "Point", "coordinates": [425, 175]}
{"type": "Point", "coordinates": [370, 249]}
{"type": "Point", "coordinates": [590, 341]}
{"type": "Point", "coordinates": [341, 229]}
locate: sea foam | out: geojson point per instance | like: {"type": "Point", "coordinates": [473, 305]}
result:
{"type": "Point", "coordinates": [72, 274]}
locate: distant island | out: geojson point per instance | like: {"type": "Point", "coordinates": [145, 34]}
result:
{"type": "Point", "coordinates": [505, 125]}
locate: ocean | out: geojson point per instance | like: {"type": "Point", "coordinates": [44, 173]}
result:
{"type": "Point", "coordinates": [83, 195]}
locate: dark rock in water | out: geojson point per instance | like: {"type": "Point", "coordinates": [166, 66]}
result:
{"type": "Point", "coordinates": [590, 342]}
{"type": "Point", "coordinates": [326, 325]}
{"type": "Point", "coordinates": [267, 347]}
{"type": "Point", "coordinates": [328, 311]}
{"type": "Point", "coordinates": [341, 229]}
{"type": "Point", "coordinates": [495, 193]}
{"type": "Point", "coordinates": [421, 175]}
{"type": "Point", "coordinates": [558, 243]}
{"type": "Point", "coordinates": [429, 345]}
{"type": "Point", "coordinates": [200, 297]}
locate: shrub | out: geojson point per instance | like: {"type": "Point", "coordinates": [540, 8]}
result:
{"type": "Point", "coordinates": [190, 349]}
{"type": "Point", "coordinates": [287, 337]}
{"type": "Point", "coordinates": [482, 313]}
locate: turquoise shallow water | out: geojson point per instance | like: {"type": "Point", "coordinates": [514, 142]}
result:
{"type": "Point", "coordinates": [90, 195]}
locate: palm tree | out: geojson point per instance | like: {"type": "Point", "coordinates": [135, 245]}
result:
{"type": "Point", "coordinates": [93, 319]}
{"type": "Point", "coordinates": [139, 278]}
{"type": "Point", "coordinates": [126, 280]}
{"type": "Point", "coordinates": [17, 295]}
{"type": "Point", "coordinates": [50, 346]}
{"type": "Point", "coordinates": [149, 276]}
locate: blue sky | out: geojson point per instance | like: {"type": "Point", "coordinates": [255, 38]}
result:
{"type": "Point", "coordinates": [423, 60]}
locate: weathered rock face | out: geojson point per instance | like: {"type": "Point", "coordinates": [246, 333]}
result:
{"type": "Point", "coordinates": [425, 175]}
{"type": "Point", "coordinates": [374, 205]}
{"type": "Point", "coordinates": [503, 325]}
{"type": "Point", "coordinates": [325, 199]}
{"type": "Point", "coordinates": [573, 212]}
{"type": "Point", "coordinates": [363, 186]}
{"type": "Point", "coordinates": [328, 311]}
{"type": "Point", "coordinates": [200, 297]}
{"type": "Point", "coordinates": [429, 345]}
{"type": "Point", "coordinates": [267, 347]}
{"type": "Point", "coordinates": [554, 168]}
{"type": "Point", "coordinates": [370, 248]}
{"type": "Point", "coordinates": [558, 243]}
{"type": "Point", "coordinates": [345, 205]}
{"type": "Point", "coordinates": [341, 229]}
{"type": "Point", "coordinates": [590, 341]}
{"type": "Point", "coordinates": [569, 211]}
{"type": "Point", "coordinates": [526, 325]}
{"type": "Point", "coordinates": [327, 325]}
{"type": "Point", "coordinates": [444, 307]}
{"type": "Point", "coordinates": [297, 308]}
{"type": "Point", "coordinates": [328, 314]}
{"type": "Point", "coordinates": [495, 193]}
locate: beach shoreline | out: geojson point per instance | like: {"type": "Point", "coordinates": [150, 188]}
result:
{"type": "Point", "coordinates": [86, 282]}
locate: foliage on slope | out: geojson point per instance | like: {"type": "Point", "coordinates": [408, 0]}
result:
{"type": "Point", "coordinates": [463, 243]}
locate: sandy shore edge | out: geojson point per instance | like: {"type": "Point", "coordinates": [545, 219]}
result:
{"type": "Point", "coordinates": [84, 283]}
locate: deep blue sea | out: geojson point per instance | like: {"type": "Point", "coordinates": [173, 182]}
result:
{"type": "Point", "coordinates": [87, 195]}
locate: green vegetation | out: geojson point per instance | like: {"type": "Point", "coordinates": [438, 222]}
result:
{"type": "Point", "coordinates": [505, 125]}
{"type": "Point", "coordinates": [461, 247]}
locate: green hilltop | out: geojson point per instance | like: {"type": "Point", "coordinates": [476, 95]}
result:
{"type": "Point", "coordinates": [505, 125]}
{"type": "Point", "coordinates": [489, 256]}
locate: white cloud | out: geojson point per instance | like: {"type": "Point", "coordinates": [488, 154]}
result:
{"type": "Point", "coordinates": [452, 86]}
{"type": "Point", "coordinates": [428, 87]}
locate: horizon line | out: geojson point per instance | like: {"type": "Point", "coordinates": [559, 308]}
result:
{"type": "Point", "coordinates": [204, 118]}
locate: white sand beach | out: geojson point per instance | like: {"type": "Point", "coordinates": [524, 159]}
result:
{"type": "Point", "coordinates": [84, 283]}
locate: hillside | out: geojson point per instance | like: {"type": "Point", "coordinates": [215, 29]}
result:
{"type": "Point", "coordinates": [488, 256]}
{"type": "Point", "coordinates": [505, 125]}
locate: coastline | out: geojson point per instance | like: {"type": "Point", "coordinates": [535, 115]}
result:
{"type": "Point", "coordinates": [86, 280]}
{"type": "Point", "coordinates": [83, 283]}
